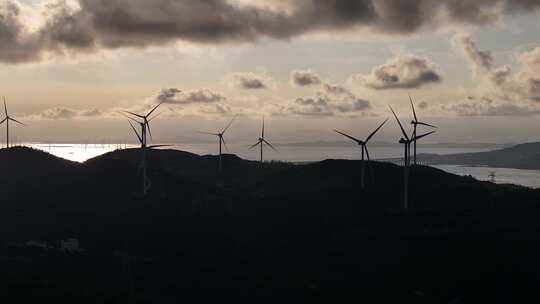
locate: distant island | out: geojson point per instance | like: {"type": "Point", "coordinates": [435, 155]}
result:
{"type": "Point", "coordinates": [523, 156]}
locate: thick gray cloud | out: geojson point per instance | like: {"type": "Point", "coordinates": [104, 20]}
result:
{"type": "Point", "coordinates": [140, 23]}
{"type": "Point", "coordinates": [304, 78]}
{"type": "Point", "coordinates": [201, 96]}
{"type": "Point", "coordinates": [401, 72]}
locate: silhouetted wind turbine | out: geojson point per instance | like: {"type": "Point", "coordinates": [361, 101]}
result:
{"type": "Point", "coordinates": [143, 165]}
{"type": "Point", "coordinates": [145, 123]}
{"type": "Point", "coordinates": [221, 140]}
{"type": "Point", "coordinates": [415, 124]}
{"type": "Point", "coordinates": [6, 120]}
{"type": "Point", "coordinates": [406, 142]}
{"type": "Point", "coordinates": [261, 142]}
{"type": "Point", "coordinates": [363, 145]}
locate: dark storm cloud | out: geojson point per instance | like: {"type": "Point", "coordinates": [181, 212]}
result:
{"type": "Point", "coordinates": [201, 96]}
{"type": "Point", "coordinates": [401, 72]}
{"type": "Point", "coordinates": [141, 23]}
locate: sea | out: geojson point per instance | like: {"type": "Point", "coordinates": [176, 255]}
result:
{"type": "Point", "coordinates": [306, 153]}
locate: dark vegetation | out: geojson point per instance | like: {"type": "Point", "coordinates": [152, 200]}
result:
{"type": "Point", "coordinates": [524, 156]}
{"type": "Point", "coordinates": [299, 233]}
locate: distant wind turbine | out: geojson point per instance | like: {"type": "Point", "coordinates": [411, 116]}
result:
{"type": "Point", "coordinates": [415, 124]}
{"type": "Point", "coordinates": [363, 145]}
{"type": "Point", "coordinates": [6, 120]}
{"type": "Point", "coordinates": [261, 142]}
{"type": "Point", "coordinates": [143, 140]}
{"type": "Point", "coordinates": [143, 166]}
{"type": "Point", "coordinates": [221, 140]}
{"type": "Point", "coordinates": [145, 124]}
{"type": "Point", "coordinates": [406, 142]}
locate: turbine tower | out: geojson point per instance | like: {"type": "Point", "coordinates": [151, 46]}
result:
{"type": "Point", "coordinates": [415, 122]}
{"type": "Point", "coordinates": [261, 142]}
{"type": "Point", "coordinates": [6, 120]}
{"type": "Point", "coordinates": [363, 145]}
{"type": "Point", "coordinates": [143, 140]}
{"type": "Point", "coordinates": [406, 142]}
{"type": "Point", "coordinates": [221, 141]}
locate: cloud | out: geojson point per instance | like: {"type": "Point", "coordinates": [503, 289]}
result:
{"type": "Point", "coordinates": [333, 100]}
{"type": "Point", "coordinates": [177, 96]}
{"type": "Point", "coordinates": [503, 82]}
{"type": "Point", "coordinates": [489, 107]}
{"type": "Point", "coordinates": [400, 72]}
{"type": "Point", "coordinates": [90, 25]}
{"type": "Point", "coordinates": [304, 78]}
{"type": "Point", "coordinates": [481, 60]}
{"type": "Point", "coordinates": [60, 113]}
{"type": "Point", "coordinates": [247, 81]}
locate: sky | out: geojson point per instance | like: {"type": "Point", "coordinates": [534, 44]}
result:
{"type": "Point", "coordinates": [68, 68]}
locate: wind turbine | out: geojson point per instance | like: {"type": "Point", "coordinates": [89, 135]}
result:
{"type": "Point", "coordinates": [142, 137]}
{"type": "Point", "coordinates": [145, 123]}
{"type": "Point", "coordinates": [6, 120]}
{"type": "Point", "coordinates": [221, 140]}
{"type": "Point", "coordinates": [415, 124]}
{"type": "Point", "coordinates": [363, 145]}
{"type": "Point", "coordinates": [261, 142]}
{"type": "Point", "coordinates": [143, 166]}
{"type": "Point", "coordinates": [406, 142]}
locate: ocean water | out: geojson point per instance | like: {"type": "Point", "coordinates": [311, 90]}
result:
{"type": "Point", "coordinates": [304, 153]}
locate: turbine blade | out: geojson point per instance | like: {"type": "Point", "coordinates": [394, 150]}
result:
{"type": "Point", "coordinates": [129, 117]}
{"type": "Point", "coordinates": [262, 134]}
{"type": "Point", "coordinates": [270, 145]}
{"type": "Point", "coordinates": [136, 133]}
{"type": "Point", "coordinates": [14, 120]}
{"type": "Point", "coordinates": [258, 143]}
{"type": "Point", "coordinates": [399, 122]}
{"type": "Point", "coordinates": [208, 133]}
{"type": "Point", "coordinates": [224, 143]}
{"type": "Point", "coordinates": [5, 107]}
{"type": "Point", "coordinates": [140, 116]}
{"type": "Point", "coordinates": [229, 125]}
{"type": "Point", "coordinates": [423, 135]}
{"type": "Point", "coordinates": [155, 116]}
{"type": "Point", "coordinates": [148, 128]}
{"type": "Point", "coordinates": [426, 124]}
{"type": "Point", "coordinates": [374, 132]}
{"type": "Point", "coordinates": [413, 110]}
{"type": "Point", "coordinates": [348, 136]}
{"type": "Point", "coordinates": [367, 152]}
{"type": "Point", "coordinates": [3, 120]}
{"type": "Point", "coordinates": [152, 111]}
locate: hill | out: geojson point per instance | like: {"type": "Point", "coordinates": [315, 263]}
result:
{"type": "Point", "coordinates": [523, 156]}
{"type": "Point", "coordinates": [300, 232]}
